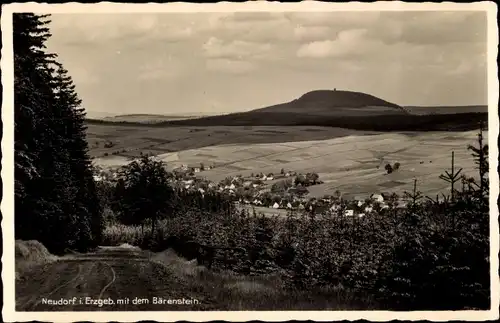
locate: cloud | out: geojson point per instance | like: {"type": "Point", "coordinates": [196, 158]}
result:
{"type": "Point", "coordinates": [302, 33]}
{"type": "Point", "coordinates": [216, 48]}
{"type": "Point", "coordinates": [229, 66]}
{"type": "Point", "coordinates": [431, 27]}
{"type": "Point", "coordinates": [347, 20]}
{"type": "Point", "coordinates": [224, 54]}
{"type": "Point", "coordinates": [162, 68]}
{"type": "Point", "coordinates": [348, 42]}
{"type": "Point", "coordinates": [79, 29]}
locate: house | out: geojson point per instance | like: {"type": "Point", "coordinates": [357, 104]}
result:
{"type": "Point", "coordinates": [257, 202]}
{"type": "Point", "coordinates": [269, 178]}
{"type": "Point", "coordinates": [232, 187]}
{"type": "Point", "coordinates": [98, 178]}
{"type": "Point", "coordinates": [301, 206]}
{"type": "Point", "coordinates": [289, 205]}
{"type": "Point", "coordinates": [187, 187]}
{"type": "Point", "coordinates": [377, 197]}
{"type": "Point", "coordinates": [349, 212]}
{"type": "Point", "coordinates": [287, 174]}
{"type": "Point", "coordinates": [276, 205]}
{"type": "Point", "coordinates": [188, 182]}
{"type": "Point", "coordinates": [211, 185]}
{"type": "Point", "coordinates": [360, 203]}
{"type": "Point", "coordinates": [184, 167]}
{"type": "Point", "coordinates": [264, 177]}
{"type": "Point", "coordinates": [255, 185]}
{"type": "Point", "coordinates": [368, 209]}
{"type": "Point", "coordinates": [196, 169]}
{"type": "Point", "coordinates": [201, 190]}
{"type": "Point", "coordinates": [247, 184]}
{"type": "Point", "coordinates": [361, 215]}
{"type": "Point", "coordinates": [207, 168]}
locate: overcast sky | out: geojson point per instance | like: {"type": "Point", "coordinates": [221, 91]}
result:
{"type": "Point", "coordinates": [185, 63]}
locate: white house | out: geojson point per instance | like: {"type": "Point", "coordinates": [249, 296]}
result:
{"type": "Point", "coordinates": [201, 190]}
{"type": "Point", "coordinates": [360, 203]}
{"type": "Point", "coordinates": [378, 197]}
{"type": "Point", "coordinates": [255, 185]}
{"type": "Point", "coordinates": [257, 202]}
{"type": "Point", "coordinates": [197, 169]}
{"type": "Point", "coordinates": [232, 187]}
{"type": "Point", "coordinates": [301, 206]}
{"type": "Point", "coordinates": [361, 215]}
{"type": "Point", "coordinates": [368, 209]}
{"type": "Point", "coordinates": [276, 205]}
{"type": "Point", "coordinates": [98, 178]}
{"type": "Point", "coordinates": [289, 205]}
{"type": "Point", "coordinates": [211, 185]}
{"type": "Point", "coordinates": [270, 178]}
{"type": "Point", "coordinates": [349, 212]}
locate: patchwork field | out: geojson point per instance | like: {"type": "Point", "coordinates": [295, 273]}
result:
{"type": "Point", "coordinates": [349, 161]}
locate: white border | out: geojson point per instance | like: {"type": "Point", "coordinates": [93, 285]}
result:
{"type": "Point", "coordinates": [8, 311]}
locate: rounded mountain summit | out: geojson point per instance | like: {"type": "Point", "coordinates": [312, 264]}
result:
{"type": "Point", "coordinates": [336, 103]}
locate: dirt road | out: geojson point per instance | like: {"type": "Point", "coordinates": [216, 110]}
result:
{"type": "Point", "coordinates": [110, 279]}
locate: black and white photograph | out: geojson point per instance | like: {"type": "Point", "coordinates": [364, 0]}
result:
{"type": "Point", "coordinates": [208, 159]}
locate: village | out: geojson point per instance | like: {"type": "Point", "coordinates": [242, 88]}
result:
{"type": "Point", "coordinates": [284, 191]}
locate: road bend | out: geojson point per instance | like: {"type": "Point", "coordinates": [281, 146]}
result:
{"type": "Point", "coordinates": [110, 279]}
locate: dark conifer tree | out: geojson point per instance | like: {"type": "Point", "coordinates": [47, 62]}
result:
{"type": "Point", "coordinates": [54, 190]}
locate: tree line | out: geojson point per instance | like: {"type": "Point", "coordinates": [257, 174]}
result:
{"type": "Point", "coordinates": [56, 200]}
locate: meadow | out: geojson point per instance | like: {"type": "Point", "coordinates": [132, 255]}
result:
{"type": "Point", "coordinates": [346, 160]}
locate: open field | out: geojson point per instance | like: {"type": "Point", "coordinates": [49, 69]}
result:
{"type": "Point", "coordinates": [147, 118]}
{"type": "Point", "coordinates": [128, 141]}
{"type": "Point", "coordinates": [349, 161]}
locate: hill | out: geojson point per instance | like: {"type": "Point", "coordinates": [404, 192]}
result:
{"type": "Point", "coordinates": [342, 109]}
{"type": "Point", "coordinates": [336, 103]}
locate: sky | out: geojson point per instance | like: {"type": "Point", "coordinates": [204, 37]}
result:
{"type": "Point", "coordinates": [213, 63]}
